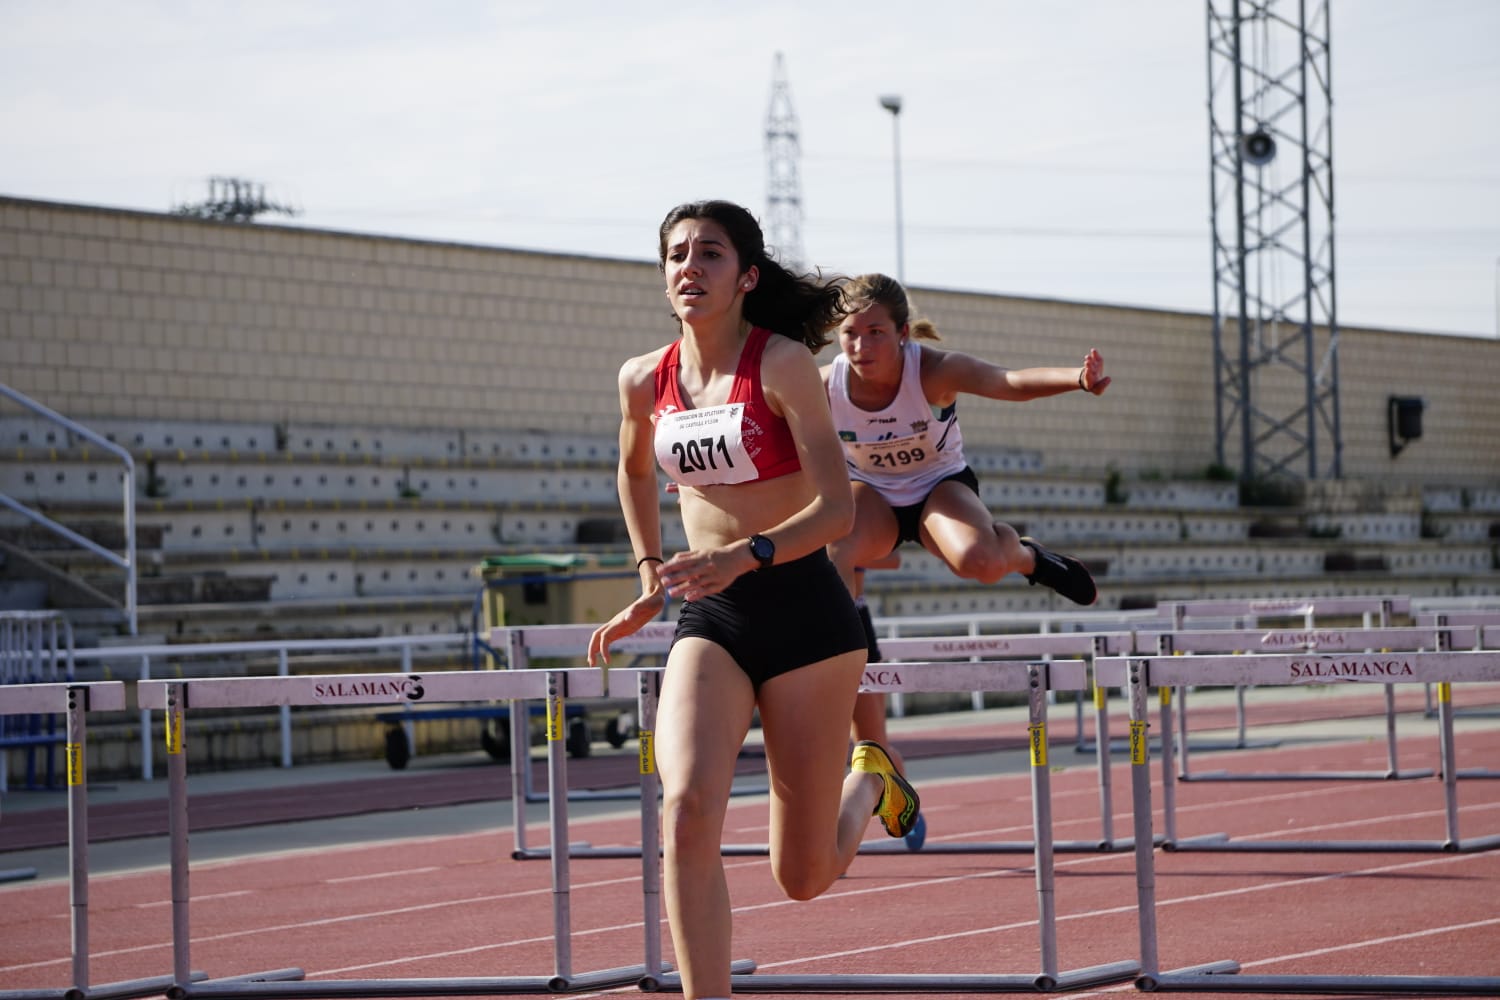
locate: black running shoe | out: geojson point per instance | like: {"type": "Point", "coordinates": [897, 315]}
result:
{"type": "Point", "coordinates": [872, 646]}
{"type": "Point", "coordinates": [1064, 574]}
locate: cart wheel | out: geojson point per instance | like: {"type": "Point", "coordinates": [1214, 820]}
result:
{"type": "Point", "coordinates": [397, 750]}
{"type": "Point", "coordinates": [619, 729]}
{"type": "Point", "coordinates": [579, 740]}
{"type": "Point", "coordinates": [496, 743]}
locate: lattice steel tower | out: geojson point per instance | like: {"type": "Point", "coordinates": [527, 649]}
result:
{"type": "Point", "coordinates": [231, 199]}
{"type": "Point", "coordinates": [1276, 393]}
{"type": "Point", "coordinates": [783, 190]}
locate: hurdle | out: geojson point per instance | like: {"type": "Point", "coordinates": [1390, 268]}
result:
{"type": "Point", "coordinates": [1164, 672]}
{"type": "Point", "coordinates": [1036, 679]}
{"type": "Point", "coordinates": [519, 644]}
{"type": "Point", "coordinates": [1309, 640]}
{"type": "Point", "coordinates": [1087, 646]}
{"type": "Point", "coordinates": [1487, 625]}
{"type": "Point", "coordinates": [1038, 623]}
{"type": "Point", "coordinates": [523, 642]}
{"type": "Point", "coordinates": [75, 700]}
{"type": "Point", "coordinates": [1142, 673]}
{"type": "Point", "coordinates": [1308, 609]}
{"type": "Point", "coordinates": [176, 697]}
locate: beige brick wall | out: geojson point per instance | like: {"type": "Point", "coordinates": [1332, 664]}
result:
{"type": "Point", "coordinates": [113, 314]}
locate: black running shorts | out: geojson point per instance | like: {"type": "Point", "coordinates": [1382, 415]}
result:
{"type": "Point", "coordinates": [779, 618]}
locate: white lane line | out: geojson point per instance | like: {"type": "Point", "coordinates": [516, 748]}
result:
{"type": "Point", "coordinates": [1295, 883]}
{"type": "Point", "coordinates": [367, 878]}
{"type": "Point", "coordinates": [197, 899]}
{"type": "Point", "coordinates": [347, 918]}
{"type": "Point", "coordinates": [546, 891]}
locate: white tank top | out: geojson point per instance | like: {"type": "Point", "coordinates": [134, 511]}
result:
{"type": "Point", "coordinates": [904, 450]}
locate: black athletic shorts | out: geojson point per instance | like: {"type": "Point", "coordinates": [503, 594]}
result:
{"type": "Point", "coordinates": [777, 619]}
{"type": "Point", "coordinates": [909, 518]}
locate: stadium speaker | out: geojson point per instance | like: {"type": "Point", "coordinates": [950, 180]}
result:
{"type": "Point", "coordinates": [1258, 148]}
{"type": "Point", "coordinates": [1404, 421]}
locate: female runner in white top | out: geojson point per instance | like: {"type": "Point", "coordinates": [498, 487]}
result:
{"type": "Point", "coordinates": [895, 407]}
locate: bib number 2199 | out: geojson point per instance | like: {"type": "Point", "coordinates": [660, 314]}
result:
{"type": "Point", "coordinates": [896, 458]}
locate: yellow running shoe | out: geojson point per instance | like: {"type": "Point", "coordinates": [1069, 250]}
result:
{"type": "Point", "coordinates": [898, 805]}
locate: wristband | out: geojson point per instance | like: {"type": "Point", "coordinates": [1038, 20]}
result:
{"type": "Point", "coordinates": [1080, 380]}
{"type": "Point", "coordinates": [646, 559]}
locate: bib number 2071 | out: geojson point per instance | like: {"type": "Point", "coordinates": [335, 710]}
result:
{"type": "Point", "coordinates": [696, 456]}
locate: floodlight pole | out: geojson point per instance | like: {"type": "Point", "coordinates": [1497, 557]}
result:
{"type": "Point", "coordinates": [892, 103]}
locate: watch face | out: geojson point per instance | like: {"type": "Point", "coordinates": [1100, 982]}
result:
{"type": "Point", "coordinates": [762, 548]}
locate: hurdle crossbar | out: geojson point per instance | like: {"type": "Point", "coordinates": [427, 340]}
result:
{"type": "Point", "coordinates": [175, 698]}
{"type": "Point", "coordinates": [1374, 610]}
{"type": "Point", "coordinates": [902, 655]}
{"type": "Point", "coordinates": [75, 700]}
{"type": "Point", "coordinates": [1310, 639]}
{"type": "Point", "coordinates": [521, 644]}
{"type": "Point", "coordinates": [1037, 679]}
{"type": "Point", "coordinates": [1443, 668]}
{"type": "Point", "coordinates": [893, 675]}
{"type": "Point", "coordinates": [1225, 975]}
{"type": "Point", "coordinates": [1486, 624]}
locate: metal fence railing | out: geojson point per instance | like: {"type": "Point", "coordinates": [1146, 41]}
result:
{"type": "Point", "coordinates": [36, 647]}
{"type": "Point", "coordinates": [127, 562]}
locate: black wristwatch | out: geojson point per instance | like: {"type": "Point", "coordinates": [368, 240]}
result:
{"type": "Point", "coordinates": [763, 549]}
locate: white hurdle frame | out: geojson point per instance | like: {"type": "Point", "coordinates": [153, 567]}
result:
{"type": "Point", "coordinates": [1443, 668]}
{"type": "Point", "coordinates": [1142, 673]}
{"type": "Point", "coordinates": [1088, 646]}
{"type": "Point", "coordinates": [570, 641]}
{"type": "Point", "coordinates": [1487, 625]}
{"type": "Point", "coordinates": [1311, 640]}
{"type": "Point", "coordinates": [1037, 680]}
{"type": "Point", "coordinates": [175, 697]}
{"type": "Point", "coordinates": [1194, 641]}
{"type": "Point", "coordinates": [521, 643]}
{"type": "Point", "coordinates": [76, 700]}
{"type": "Point", "coordinates": [1308, 608]}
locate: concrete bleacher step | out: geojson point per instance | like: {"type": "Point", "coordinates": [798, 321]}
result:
{"type": "Point", "coordinates": [346, 514]}
{"type": "Point", "coordinates": [209, 585]}
{"type": "Point", "coordinates": [97, 478]}
{"type": "Point", "coordinates": [1014, 596]}
{"type": "Point", "coordinates": [103, 531]}
{"type": "Point", "coordinates": [312, 618]}
{"type": "Point", "coordinates": [342, 442]}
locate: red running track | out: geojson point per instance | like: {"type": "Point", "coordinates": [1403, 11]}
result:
{"type": "Point", "coordinates": [458, 906]}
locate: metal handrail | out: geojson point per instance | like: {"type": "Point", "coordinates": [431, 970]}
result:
{"type": "Point", "coordinates": [126, 562]}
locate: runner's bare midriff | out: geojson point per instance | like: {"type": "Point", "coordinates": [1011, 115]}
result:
{"type": "Point", "coordinates": [718, 515]}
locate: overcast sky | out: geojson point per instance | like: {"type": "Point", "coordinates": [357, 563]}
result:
{"type": "Point", "coordinates": [1049, 148]}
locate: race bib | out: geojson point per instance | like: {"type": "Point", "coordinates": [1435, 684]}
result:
{"type": "Point", "coordinates": [704, 447]}
{"type": "Point", "coordinates": [893, 455]}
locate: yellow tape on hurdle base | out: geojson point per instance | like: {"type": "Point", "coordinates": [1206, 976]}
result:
{"type": "Point", "coordinates": [1137, 741]}
{"type": "Point", "coordinates": [1038, 734]}
{"type": "Point", "coordinates": [174, 731]}
{"type": "Point", "coordinates": [647, 751]}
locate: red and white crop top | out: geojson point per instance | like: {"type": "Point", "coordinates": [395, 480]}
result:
{"type": "Point", "coordinates": [740, 441]}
